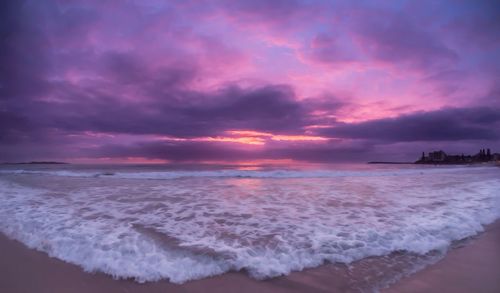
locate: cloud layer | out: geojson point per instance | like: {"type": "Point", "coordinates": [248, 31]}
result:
{"type": "Point", "coordinates": [205, 81]}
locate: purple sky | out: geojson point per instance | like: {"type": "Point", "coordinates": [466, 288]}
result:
{"type": "Point", "coordinates": [247, 81]}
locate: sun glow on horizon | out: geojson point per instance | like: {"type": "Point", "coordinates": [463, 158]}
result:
{"type": "Point", "coordinates": [249, 137]}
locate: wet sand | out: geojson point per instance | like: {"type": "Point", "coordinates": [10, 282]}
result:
{"type": "Point", "coordinates": [474, 267]}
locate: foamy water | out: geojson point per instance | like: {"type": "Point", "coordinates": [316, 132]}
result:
{"type": "Point", "coordinates": [183, 225]}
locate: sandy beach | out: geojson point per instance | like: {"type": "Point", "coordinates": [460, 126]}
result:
{"type": "Point", "coordinates": [474, 266]}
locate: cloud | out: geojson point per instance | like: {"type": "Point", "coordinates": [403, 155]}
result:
{"type": "Point", "coordinates": [104, 89]}
{"type": "Point", "coordinates": [192, 151]}
{"type": "Point", "coordinates": [176, 151]}
{"type": "Point", "coordinates": [167, 111]}
{"type": "Point", "coordinates": [332, 48]}
{"type": "Point", "coordinates": [366, 34]}
{"type": "Point", "coordinates": [280, 14]}
{"type": "Point", "coordinates": [75, 71]}
{"type": "Point", "coordinates": [22, 54]}
{"type": "Point", "coordinates": [450, 124]}
{"type": "Point", "coordinates": [477, 24]}
{"type": "Point", "coordinates": [394, 38]}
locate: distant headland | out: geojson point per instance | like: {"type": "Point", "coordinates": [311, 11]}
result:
{"type": "Point", "coordinates": [36, 163]}
{"type": "Point", "coordinates": [440, 157]}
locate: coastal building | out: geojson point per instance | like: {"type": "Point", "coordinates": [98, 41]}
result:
{"type": "Point", "coordinates": [440, 157]}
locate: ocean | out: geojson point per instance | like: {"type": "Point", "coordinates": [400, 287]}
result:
{"type": "Point", "coordinates": [184, 223]}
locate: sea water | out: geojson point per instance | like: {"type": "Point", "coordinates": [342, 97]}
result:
{"type": "Point", "coordinates": [154, 222]}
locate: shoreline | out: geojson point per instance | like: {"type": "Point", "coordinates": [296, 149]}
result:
{"type": "Point", "coordinates": [473, 266]}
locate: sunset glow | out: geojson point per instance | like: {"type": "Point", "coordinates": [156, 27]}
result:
{"type": "Point", "coordinates": [315, 81]}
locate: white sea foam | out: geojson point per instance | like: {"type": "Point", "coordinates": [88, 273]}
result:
{"type": "Point", "coordinates": [266, 222]}
{"type": "Point", "coordinates": [174, 174]}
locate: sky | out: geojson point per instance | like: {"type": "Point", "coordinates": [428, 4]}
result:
{"type": "Point", "coordinates": [254, 81]}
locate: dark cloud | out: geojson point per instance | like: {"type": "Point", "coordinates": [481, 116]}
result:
{"type": "Point", "coordinates": [23, 49]}
{"type": "Point", "coordinates": [123, 93]}
{"type": "Point", "coordinates": [327, 152]}
{"type": "Point", "coordinates": [363, 33]}
{"type": "Point", "coordinates": [451, 124]}
{"type": "Point", "coordinates": [393, 37]}
{"type": "Point", "coordinates": [179, 151]}
{"type": "Point", "coordinates": [174, 113]}
{"type": "Point", "coordinates": [185, 151]}
{"type": "Point", "coordinates": [477, 23]}
{"type": "Point", "coordinates": [330, 48]}
{"type": "Point", "coordinates": [269, 108]}
{"type": "Point", "coordinates": [277, 13]}
{"type": "Point", "coordinates": [23, 64]}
